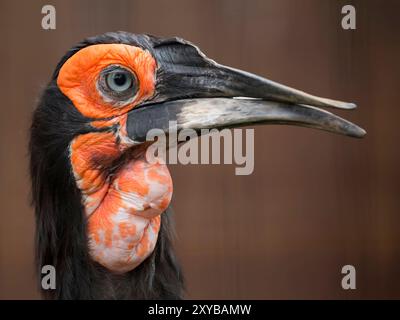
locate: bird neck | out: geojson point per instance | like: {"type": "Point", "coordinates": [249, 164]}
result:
{"type": "Point", "coordinates": [123, 205]}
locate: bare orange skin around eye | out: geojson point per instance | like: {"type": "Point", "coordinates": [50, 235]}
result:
{"type": "Point", "coordinates": [123, 208]}
{"type": "Point", "coordinates": [78, 77]}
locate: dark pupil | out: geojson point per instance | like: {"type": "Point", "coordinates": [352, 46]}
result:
{"type": "Point", "coordinates": [120, 79]}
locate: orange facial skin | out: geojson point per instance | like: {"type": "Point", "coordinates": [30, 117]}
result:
{"type": "Point", "coordinates": [123, 202]}
{"type": "Point", "coordinates": [79, 74]}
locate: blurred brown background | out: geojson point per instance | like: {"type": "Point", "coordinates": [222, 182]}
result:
{"type": "Point", "coordinates": [315, 201]}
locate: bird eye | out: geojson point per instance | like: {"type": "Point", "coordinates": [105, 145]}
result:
{"type": "Point", "coordinates": [118, 83]}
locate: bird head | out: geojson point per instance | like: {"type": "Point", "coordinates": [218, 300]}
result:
{"type": "Point", "coordinates": [92, 186]}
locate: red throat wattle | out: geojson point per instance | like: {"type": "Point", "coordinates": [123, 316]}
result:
{"type": "Point", "coordinates": [122, 205]}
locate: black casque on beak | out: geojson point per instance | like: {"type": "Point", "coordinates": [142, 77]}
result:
{"type": "Point", "coordinates": [198, 93]}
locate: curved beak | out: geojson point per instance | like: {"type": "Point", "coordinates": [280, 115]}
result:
{"type": "Point", "coordinates": [198, 93]}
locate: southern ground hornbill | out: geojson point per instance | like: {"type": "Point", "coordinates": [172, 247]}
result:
{"type": "Point", "coordinates": [102, 217]}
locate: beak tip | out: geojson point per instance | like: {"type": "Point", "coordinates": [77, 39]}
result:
{"type": "Point", "coordinates": [351, 106]}
{"type": "Point", "coordinates": [359, 133]}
